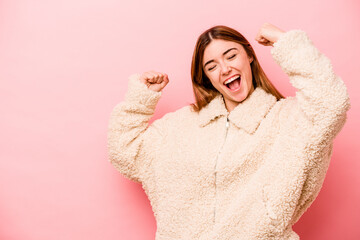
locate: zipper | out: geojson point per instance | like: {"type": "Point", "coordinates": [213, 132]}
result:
{"type": "Point", "coordinates": [226, 131]}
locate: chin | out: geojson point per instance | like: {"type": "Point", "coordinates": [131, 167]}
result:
{"type": "Point", "coordinates": [242, 96]}
{"type": "Point", "coordinates": [240, 99]}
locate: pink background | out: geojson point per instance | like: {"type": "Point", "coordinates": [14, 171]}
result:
{"type": "Point", "coordinates": [63, 67]}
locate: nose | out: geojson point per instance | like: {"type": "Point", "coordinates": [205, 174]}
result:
{"type": "Point", "coordinates": [225, 68]}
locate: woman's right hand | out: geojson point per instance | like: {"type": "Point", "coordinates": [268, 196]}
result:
{"type": "Point", "coordinates": [155, 81]}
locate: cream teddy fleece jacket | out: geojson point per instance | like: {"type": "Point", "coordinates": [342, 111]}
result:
{"type": "Point", "coordinates": [248, 174]}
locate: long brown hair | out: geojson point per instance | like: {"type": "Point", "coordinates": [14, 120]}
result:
{"type": "Point", "coordinates": [203, 89]}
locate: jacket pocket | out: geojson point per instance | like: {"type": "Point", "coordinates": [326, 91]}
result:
{"type": "Point", "coordinates": [270, 213]}
{"type": "Point", "coordinates": [273, 217]}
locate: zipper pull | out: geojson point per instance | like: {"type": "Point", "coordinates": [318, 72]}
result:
{"type": "Point", "coordinates": [227, 122]}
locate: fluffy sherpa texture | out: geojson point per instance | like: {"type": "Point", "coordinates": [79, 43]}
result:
{"type": "Point", "coordinates": [251, 181]}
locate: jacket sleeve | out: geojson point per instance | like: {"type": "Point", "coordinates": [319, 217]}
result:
{"type": "Point", "coordinates": [321, 95]}
{"type": "Point", "coordinates": [131, 142]}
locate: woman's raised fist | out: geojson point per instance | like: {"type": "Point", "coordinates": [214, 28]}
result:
{"type": "Point", "coordinates": [268, 34]}
{"type": "Point", "coordinates": [155, 81]}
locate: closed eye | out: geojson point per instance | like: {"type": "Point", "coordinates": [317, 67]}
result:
{"type": "Point", "coordinates": [228, 58]}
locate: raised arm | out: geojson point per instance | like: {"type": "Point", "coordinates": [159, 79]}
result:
{"type": "Point", "coordinates": [132, 142]}
{"type": "Point", "coordinates": [321, 95]}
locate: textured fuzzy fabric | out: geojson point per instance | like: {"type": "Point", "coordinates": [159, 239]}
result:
{"type": "Point", "coordinates": [253, 181]}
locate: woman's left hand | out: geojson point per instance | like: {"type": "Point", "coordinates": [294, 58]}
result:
{"type": "Point", "coordinates": [268, 34]}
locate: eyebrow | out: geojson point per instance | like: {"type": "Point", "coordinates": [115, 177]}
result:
{"type": "Point", "coordinates": [222, 54]}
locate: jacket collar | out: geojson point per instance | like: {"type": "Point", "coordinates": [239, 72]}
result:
{"type": "Point", "coordinates": [247, 115]}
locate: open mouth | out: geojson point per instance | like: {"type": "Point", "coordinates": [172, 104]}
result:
{"type": "Point", "coordinates": [234, 85]}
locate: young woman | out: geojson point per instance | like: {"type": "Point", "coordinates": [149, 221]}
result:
{"type": "Point", "coordinates": [243, 161]}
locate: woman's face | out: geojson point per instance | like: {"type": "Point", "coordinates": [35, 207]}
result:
{"type": "Point", "coordinates": [224, 60]}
